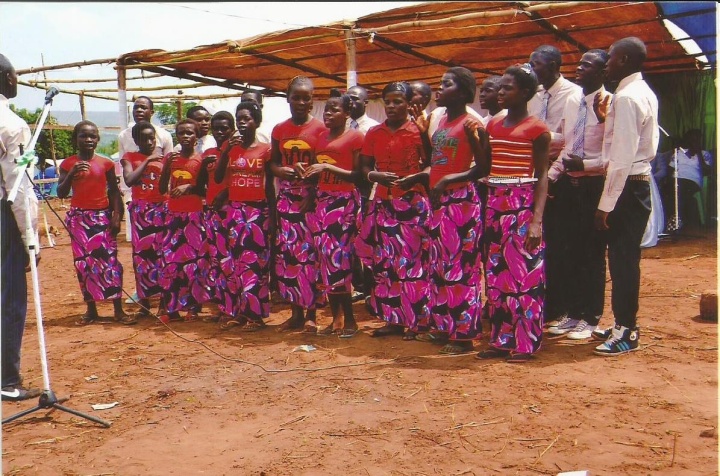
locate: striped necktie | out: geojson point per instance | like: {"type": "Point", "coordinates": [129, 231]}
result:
{"type": "Point", "coordinates": [578, 147]}
{"type": "Point", "coordinates": [544, 109]}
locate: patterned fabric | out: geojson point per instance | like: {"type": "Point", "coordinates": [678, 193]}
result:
{"type": "Point", "coordinates": [544, 107]}
{"type": "Point", "coordinates": [296, 257]}
{"type": "Point", "coordinates": [515, 278]}
{"type": "Point", "coordinates": [149, 221]}
{"type": "Point", "coordinates": [243, 284]}
{"type": "Point", "coordinates": [94, 250]}
{"type": "Point", "coordinates": [215, 248]}
{"type": "Point", "coordinates": [394, 243]}
{"type": "Point", "coordinates": [333, 225]}
{"type": "Point", "coordinates": [186, 263]}
{"type": "Point", "coordinates": [455, 229]}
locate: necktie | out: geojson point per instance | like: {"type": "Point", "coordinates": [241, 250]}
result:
{"type": "Point", "coordinates": [578, 147]}
{"type": "Point", "coordinates": [544, 109]}
{"type": "Point", "coordinates": [354, 124]}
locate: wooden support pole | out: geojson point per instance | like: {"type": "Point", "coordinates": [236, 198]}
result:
{"type": "Point", "coordinates": [20, 72]}
{"type": "Point", "coordinates": [82, 106]}
{"type": "Point", "coordinates": [351, 59]}
{"type": "Point", "coordinates": [122, 99]}
{"type": "Point", "coordinates": [179, 106]}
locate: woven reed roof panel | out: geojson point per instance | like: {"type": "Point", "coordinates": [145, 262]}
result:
{"type": "Point", "coordinates": [422, 41]}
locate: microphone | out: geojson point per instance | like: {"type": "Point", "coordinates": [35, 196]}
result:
{"type": "Point", "coordinates": [52, 92]}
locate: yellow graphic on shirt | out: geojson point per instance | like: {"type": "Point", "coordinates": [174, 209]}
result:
{"type": "Point", "coordinates": [296, 144]}
{"type": "Point", "coordinates": [325, 159]}
{"type": "Point", "coordinates": [182, 174]}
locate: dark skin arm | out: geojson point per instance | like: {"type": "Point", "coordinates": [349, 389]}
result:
{"type": "Point", "coordinates": [221, 169]}
{"type": "Point", "coordinates": [541, 146]}
{"type": "Point", "coordinates": [116, 203]}
{"type": "Point", "coordinates": [132, 177]}
{"type": "Point", "coordinates": [276, 167]}
{"type": "Point", "coordinates": [347, 175]}
{"type": "Point", "coordinates": [203, 175]}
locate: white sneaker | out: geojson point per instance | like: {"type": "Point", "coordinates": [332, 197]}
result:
{"type": "Point", "coordinates": [555, 322]}
{"type": "Point", "coordinates": [565, 325]}
{"type": "Point", "coordinates": [582, 330]}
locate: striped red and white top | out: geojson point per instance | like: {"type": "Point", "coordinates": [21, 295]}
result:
{"type": "Point", "coordinates": [512, 147]}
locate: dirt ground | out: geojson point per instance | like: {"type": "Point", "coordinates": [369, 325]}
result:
{"type": "Point", "coordinates": [192, 399]}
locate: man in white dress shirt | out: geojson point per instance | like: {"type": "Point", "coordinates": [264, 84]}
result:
{"type": "Point", "coordinates": [14, 135]}
{"type": "Point", "coordinates": [548, 105]}
{"type": "Point", "coordinates": [631, 140]}
{"type": "Point", "coordinates": [358, 115]}
{"type": "Point", "coordinates": [581, 165]}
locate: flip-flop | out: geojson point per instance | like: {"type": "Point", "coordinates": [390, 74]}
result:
{"type": "Point", "coordinates": [455, 349]}
{"type": "Point", "coordinates": [387, 330]}
{"type": "Point", "coordinates": [252, 326]}
{"type": "Point", "coordinates": [347, 333]}
{"type": "Point", "coordinates": [231, 324]}
{"type": "Point", "coordinates": [126, 320]}
{"type": "Point", "coordinates": [432, 338]}
{"type": "Point", "coordinates": [310, 329]}
{"type": "Point", "coordinates": [289, 325]}
{"type": "Point", "coordinates": [84, 320]}
{"type": "Point", "coordinates": [519, 358]}
{"type": "Point", "coordinates": [409, 335]}
{"type": "Point", "coordinates": [328, 331]}
{"type": "Point", "coordinates": [492, 353]}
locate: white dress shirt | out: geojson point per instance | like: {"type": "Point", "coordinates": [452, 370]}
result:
{"type": "Point", "coordinates": [559, 94]}
{"type": "Point", "coordinates": [631, 136]}
{"type": "Point", "coordinates": [689, 167]}
{"type": "Point", "coordinates": [593, 141]}
{"type": "Point", "coordinates": [14, 132]}
{"type": "Point", "coordinates": [486, 119]}
{"type": "Point", "coordinates": [364, 122]}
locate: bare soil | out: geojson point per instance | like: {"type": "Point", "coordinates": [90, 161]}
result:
{"type": "Point", "coordinates": [192, 399]}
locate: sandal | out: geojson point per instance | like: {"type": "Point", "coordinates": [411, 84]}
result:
{"type": "Point", "coordinates": [84, 320]}
{"type": "Point", "coordinates": [232, 323]}
{"type": "Point", "coordinates": [191, 316]}
{"type": "Point", "coordinates": [126, 319]}
{"type": "Point", "coordinates": [310, 328]}
{"type": "Point", "coordinates": [457, 348]}
{"type": "Point", "coordinates": [252, 326]}
{"type": "Point", "coordinates": [212, 319]}
{"type": "Point", "coordinates": [347, 333]}
{"type": "Point", "coordinates": [328, 331]}
{"type": "Point", "coordinates": [492, 353]}
{"type": "Point", "coordinates": [290, 325]}
{"type": "Point", "coordinates": [409, 335]}
{"type": "Point", "coordinates": [387, 330]}
{"type": "Point", "coordinates": [432, 338]}
{"type": "Point", "coordinates": [519, 358]}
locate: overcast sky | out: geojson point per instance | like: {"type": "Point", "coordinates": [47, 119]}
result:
{"type": "Point", "coordinates": [68, 32]}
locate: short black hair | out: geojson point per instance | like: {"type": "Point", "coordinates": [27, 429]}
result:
{"type": "Point", "coordinates": [550, 53]}
{"type": "Point", "coordinates": [76, 130]}
{"type": "Point", "coordinates": [525, 78]}
{"type": "Point", "coordinates": [253, 107]}
{"type": "Point", "coordinates": [195, 109]}
{"type": "Point", "coordinates": [466, 82]}
{"type": "Point", "coordinates": [140, 126]}
{"type": "Point", "coordinates": [222, 116]}
{"type": "Point", "coordinates": [150, 101]}
{"type": "Point", "coordinates": [345, 99]}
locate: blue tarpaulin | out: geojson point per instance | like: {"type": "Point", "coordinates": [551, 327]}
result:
{"type": "Point", "coordinates": [698, 20]}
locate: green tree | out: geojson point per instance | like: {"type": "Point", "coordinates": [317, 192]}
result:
{"type": "Point", "coordinates": [167, 113]}
{"type": "Point", "coordinates": [108, 149]}
{"type": "Point", "coordinates": [51, 144]}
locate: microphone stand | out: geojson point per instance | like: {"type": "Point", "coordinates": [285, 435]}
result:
{"type": "Point", "coordinates": [47, 400]}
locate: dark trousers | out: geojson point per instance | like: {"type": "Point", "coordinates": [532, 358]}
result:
{"type": "Point", "coordinates": [687, 207]}
{"type": "Point", "coordinates": [556, 266]}
{"type": "Point", "coordinates": [627, 224]}
{"type": "Point", "coordinates": [13, 295]}
{"type": "Point", "coordinates": [585, 268]}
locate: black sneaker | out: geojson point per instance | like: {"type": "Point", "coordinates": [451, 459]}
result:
{"type": "Point", "coordinates": [621, 341]}
{"type": "Point", "coordinates": [18, 393]}
{"type": "Point", "coordinates": [602, 334]}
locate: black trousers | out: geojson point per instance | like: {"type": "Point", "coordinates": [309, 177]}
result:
{"type": "Point", "coordinates": [13, 295]}
{"type": "Point", "coordinates": [687, 207]}
{"type": "Point", "coordinates": [556, 266]}
{"type": "Point", "coordinates": [584, 280]}
{"type": "Point", "coordinates": [627, 224]}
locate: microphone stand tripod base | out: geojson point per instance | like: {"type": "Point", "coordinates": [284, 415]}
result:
{"type": "Point", "coordinates": [47, 401]}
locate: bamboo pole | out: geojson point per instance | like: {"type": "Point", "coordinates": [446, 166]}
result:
{"type": "Point", "coordinates": [350, 58]}
{"type": "Point", "coordinates": [20, 72]}
{"type": "Point", "coordinates": [122, 98]}
{"type": "Point", "coordinates": [179, 108]}
{"type": "Point", "coordinates": [82, 106]}
{"type": "Point", "coordinates": [152, 88]}
{"type": "Point", "coordinates": [68, 91]}
{"type": "Point", "coordinates": [97, 80]}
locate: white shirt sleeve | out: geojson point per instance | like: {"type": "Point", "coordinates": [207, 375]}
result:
{"type": "Point", "coordinates": [11, 142]}
{"type": "Point", "coordinates": [621, 151]}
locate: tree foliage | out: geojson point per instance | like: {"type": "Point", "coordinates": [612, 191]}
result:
{"type": "Point", "coordinates": [167, 113]}
{"type": "Point", "coordinates": [108, 149]}
{"type": "Point", "coordinates": [57, 141]}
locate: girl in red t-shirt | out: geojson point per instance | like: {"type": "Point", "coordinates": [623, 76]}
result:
{"type": "Point", "coordinates": [148, 213]}
{"type": "Point", "coordinates": [222, 125]}
{"type": "Point", "coordinates": [187, 262]}
{"type": "Point", "coordinates": [333, 224]}
{"type": "Point", "coordinates": [243, 165]}
{"type": "Point", "coordinates": [293, 150]}
{"type": "Point", "coordinates": [456, 160]}
{"type": "Point", "coordinates": [93, 220]}
{"type": "Point", "coordinates": [517, 188]}
{"type": "Point", "coordinates": [393, 240]}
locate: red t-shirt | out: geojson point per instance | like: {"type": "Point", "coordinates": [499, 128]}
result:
{"type": "Point", "coordinates": [512, 147]}
{"type": "Point", "coordinates": [213, 188]}
{"type": "Point", "coordinates": [149, 187]}
{"type": "Point", "coordinates": [297, 144]}
{"type": "Point", "coordinates": [246, 172]}
{"type": "Point", "coordinates": [90, 189]}
{"type": "Point", "coordinates": [451, 150]}
{"type": "Point", "coordinates": [184, 171]}
{"type": "Point", "coordinates": [338, 152]}
{"type": "Point", "coordinates": [400, 152]}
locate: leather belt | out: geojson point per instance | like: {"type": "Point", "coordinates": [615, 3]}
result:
{"type": "Point", "coordinates": [639, 178]}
